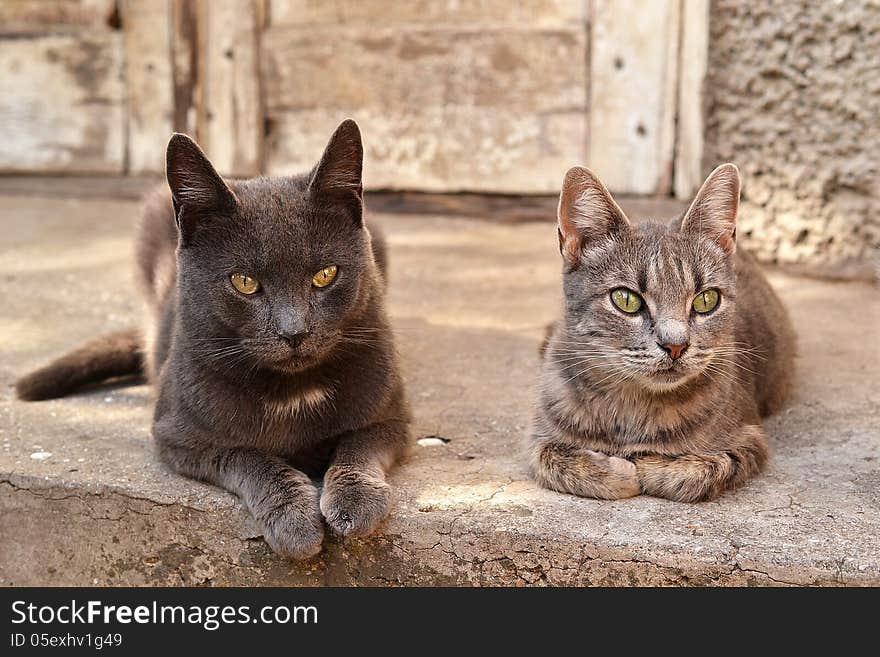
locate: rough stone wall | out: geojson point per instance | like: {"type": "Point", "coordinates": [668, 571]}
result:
{"type": "Point", "coordinates": [793, 97]}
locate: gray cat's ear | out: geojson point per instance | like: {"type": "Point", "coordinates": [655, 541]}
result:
{"type": "Point", "coordinates": [197, 189]}
{"type": "Point", "coordinates": [713, 212]}
{"type": "Point", "coordinates": [587, 214]}
{"type": "Point", "coordinates": [339, 173]}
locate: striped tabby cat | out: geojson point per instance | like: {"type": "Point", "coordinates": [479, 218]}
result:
{"type": "Point", "coordinates": [671, 348]}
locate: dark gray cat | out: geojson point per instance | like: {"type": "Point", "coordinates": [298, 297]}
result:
{"type": "Point", "coordinates": [268, 342]}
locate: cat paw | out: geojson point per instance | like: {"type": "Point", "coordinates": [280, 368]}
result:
{"type": "Point", "coordinates": [292, 524]}
{"type": "Point", "coordinates": [623, 478]}
{"type": "Point", "coordinates": [354, 502]}
{"type": "Point", "coordinates": [292, 536]}
{"type": "Point", "coordinates": [586, 473]}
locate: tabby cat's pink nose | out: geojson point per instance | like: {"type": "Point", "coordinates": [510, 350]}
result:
{"type": "Point", "coordinates": [675, 350]}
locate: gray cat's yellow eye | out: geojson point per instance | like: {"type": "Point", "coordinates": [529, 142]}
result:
{"type": "Point", "coordinates": [244, 283]}
{"type": "Point", "coordinates": [324, 277]}
{"type": "Point", "coordinates": [706, 300]}
{"type": "Point", "coordinates": [627, 300]}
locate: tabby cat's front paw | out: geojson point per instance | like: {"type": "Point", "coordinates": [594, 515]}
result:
{"type": "Point", "coordinates": [586, 473]}
{"type": "Point", "coordinates": [623, 478]}
{"type": "Point", "coordinates": [354, 502]}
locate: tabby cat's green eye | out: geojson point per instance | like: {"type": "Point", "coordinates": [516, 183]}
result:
{"type": "Point", "coordinates": [706, 300]}
{"type": "Point", "coordinates": [245, 284]}
{"type": "Point", "coordinates": [627, 300]}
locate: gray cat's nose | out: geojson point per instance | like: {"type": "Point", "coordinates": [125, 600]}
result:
{"type": "Point", "coordinates": [676, 351]}
{"type": "Point", "coordinates": [290, 324]}
{"type": "Point", "coordinates": [293, 339]}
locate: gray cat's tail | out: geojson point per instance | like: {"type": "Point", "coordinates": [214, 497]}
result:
{"type": "Point", "coordinates": [106, 357]}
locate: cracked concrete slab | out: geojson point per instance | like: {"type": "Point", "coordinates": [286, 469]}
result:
{"type": "Point", "coordinates": [84, 501]}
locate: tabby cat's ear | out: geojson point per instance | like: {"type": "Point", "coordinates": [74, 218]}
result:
{"type": "Point", "coordinates": [197, 189]}
{"type": "Point", "coordinates": [713, 212]}
{"type": "Point", "coordinates": [587, 214]}
{"type": "Point", "coordinates": [338, 175]}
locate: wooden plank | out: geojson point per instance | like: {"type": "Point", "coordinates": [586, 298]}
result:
{"type": "Point", "coordinates": [633, 80]}
{"type": "Point", "coordinates": [440, 149]}
{"type": "Point", "coordinates": [505, 208]}
{"type": "Point", "coordinates": [147, 30]}
{"type": "Point", "coordinates": [62, 101]}
{"type": "Point", "coordinates": [230, 117]}
{"type": "Point", "coordinates": [536, 70]}
{"type": "Point", "coordinates": [495, 110]}
{"type": "Point", "coordinates": [79, 185]}
{"type": "Point", "coordinates": [470, 13]}
{"type": "Point", "coordinates": [692, 74]}
{"type": "Point", "coordinates": [185, 55]}
{"type": "Point", "coordinates": [41, 16]}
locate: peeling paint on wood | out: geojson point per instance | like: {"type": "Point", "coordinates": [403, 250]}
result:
{"type": "Point", "coordinates": [41, 16]}
{"type": "Point", "coordinates": [536, 13]}
{"type": "Point", "coordinates": [692, 73]}
{"type": "Point", "coordinates": [500, 110]}
{"type": "Point", "coordinates": [633, 77]}
{"type": "Point", "coordinates": [186, 68]}
{"type": "Point", "coordinates": [147, 29]}
{"type": "Point", "coordinates": [440, 149]}
{"type": "Point", "coordinates": [62, 103]}
{"type": "Point", "coordinates": [231, 123]}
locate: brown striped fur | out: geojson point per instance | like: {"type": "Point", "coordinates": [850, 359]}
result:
{"type": "Point", "coordinates": [616, 415]}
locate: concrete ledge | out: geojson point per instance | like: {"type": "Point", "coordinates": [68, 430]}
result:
{"type": "Point", "coordinates": [83, 500]}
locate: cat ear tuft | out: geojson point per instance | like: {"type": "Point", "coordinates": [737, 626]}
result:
{"type": "Point", "coordinates": [587, 213]}
{"type": "Point", "coordinates": [339, 173]}
{"type": "Point", "coordinates": [196, 188]}
{"type": "Point", "coordinates": [713, 211]}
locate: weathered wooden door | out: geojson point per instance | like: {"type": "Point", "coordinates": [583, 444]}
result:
{"type": "Point", "coordinates": [486, 96]}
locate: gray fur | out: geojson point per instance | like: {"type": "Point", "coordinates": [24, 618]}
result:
{"type": "Point", "coordinates": [240, 404]}
{"type": "Point", "coordinates": [616, 414]}
{"type": "Point", "coordinates": [240, 407]}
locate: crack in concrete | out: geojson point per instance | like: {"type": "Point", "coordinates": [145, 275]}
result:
{"type": "Point", "coordinates": [102, 490]}
{"type": "Point", "coordinates": [450, 545]}
{"type": "Point", "coordinates": [83, 496]}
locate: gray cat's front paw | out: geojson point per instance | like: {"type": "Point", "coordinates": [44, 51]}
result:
{"type": "Point", "coordinates": [291, 520]}
{"type": "Point", "coordinates": [292, 535]}
{"type": "Point", "coordinates": [354, 502]}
